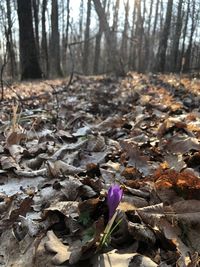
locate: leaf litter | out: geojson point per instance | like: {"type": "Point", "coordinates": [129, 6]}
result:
{"type": "Point", "coordinates": [62, 157]}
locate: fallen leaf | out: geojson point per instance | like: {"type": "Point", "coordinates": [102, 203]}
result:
{"type": "Point", "coordinates": [56, 246]}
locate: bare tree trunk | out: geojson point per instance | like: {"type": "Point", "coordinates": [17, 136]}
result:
{"type": "Point", "coordinates": [65, 18]}
{"type": "Point", "coordinates": [10, 45]}
{"type": "Point", "coordinates": [98, 46]}
{"type": "Point", "coordinates": [189, 48]}
{"type": "Point", "coordinates": [113, 54]}
{"type": "Point", "coordinates": [67, 26]}
{"type": "Point", "coordinates": [97, 51]}
{"type": "Point", "coordinates": [81, 20]}
{"type": "Point", "coordinates": [124, 45]}
{"type": "Point", "coordinates": [139, 35]}
{"type": "Point", "coordinates": [182, 59]}
{"type": "Point", "coordinates": [161, 57]}
{"type": "Point", "coordinates": [55, 41]}
{"type": "Point", "coordinates": [152, 54]}
{"type": "Point", "coordinates": [132, 43]}
{"type": "Point", "coordinates": [148, 37]}
{"type": "Point", "coordinates": [30, 68]}
{"type": "Point", "coordinates": [35, 4]}
{"type": "Point", "coordinates": [115, 21]}
{"type": "Point", "coordinates": [86, 53]}
{"type": "Point", "coordinates": [175, 48]}
{"type": "Point", "coordinates": [44, 47]}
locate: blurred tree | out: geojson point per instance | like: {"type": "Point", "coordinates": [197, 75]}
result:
{"type": "Point", "coordinates": [124, 43]}
{"type": "Point", "coordinates": [139, 33]}
{"type": "Point", "coordinates": [194, 20]}
{"type": "Point", "coordinates": [177, 35]}
{"type": "Point", "coordinates": [148, 37]}
{"type": "Point", "coordinates": [98, 45]}
{"type": "Point", "coordinates": [113, 54]}
{"type": "Point", "coordinates": [35, 5]}
{"type": "Point", "coordinates": [55, 67]}
{"type": "Point", "coordinates": [184, 33]}
{"type": "Point", "coordinates": [161, 56]}
{"type": "Point", "coordinates": [44, 46]}
{"type": "Point", "coordinates": [132, 41]}
{"type": "Point", "coordinates": [30, 68]}
{"type": "Point", "coordinates": [115, 23]}
{"type": "Point", "coordinates": [86, 49]}
{"type": "Point", "coordinates": [9, 41]}
{"type": "Point", "coordinates": [151, 63]}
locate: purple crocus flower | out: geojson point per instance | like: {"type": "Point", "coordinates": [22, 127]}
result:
{"type": "Point", "coordinates": [114, 197]}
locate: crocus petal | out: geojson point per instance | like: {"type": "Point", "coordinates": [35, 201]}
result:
{"type": "Point", "coordinates": [114, 197]}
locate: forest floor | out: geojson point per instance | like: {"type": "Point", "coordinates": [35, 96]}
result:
{"type": "Point", "coordinates": [65, 148]}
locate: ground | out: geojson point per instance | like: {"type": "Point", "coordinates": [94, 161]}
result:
{"type": "Point", "coordinates": [65, 147]}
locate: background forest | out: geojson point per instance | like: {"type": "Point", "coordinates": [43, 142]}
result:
{"type": "Point", "coordinates": [95, 37]}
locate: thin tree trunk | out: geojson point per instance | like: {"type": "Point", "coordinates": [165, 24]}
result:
{"type": "Point", "coordinates": [132, 44]}
{"type": "Point", "coordinates": [151, 64]}
{"type": "Point", "coordinates": [98, 46]}
{"type": "Point", "coordinates": [10, 45]}
{"type": "Point", "coordinates": [55, 41]}
{"type": "Point", "coordinates": [139, 35]}
{"type": "Point", "coordinates": [86, 53]}
{"type": "Point", "coordinates": [97, 51]}
{"type": "Point", "coordinates": [115, 22]}
{"type": "Point", "coordinates": [189, 48]}
{"type": "Point", "coordinates": [161, 57]}
{"type": "Point", "coordinates": [175, 48]}
{"type": "Point", "coordinates": [124, 45]}
{"type": "Point", "coordinates": [67, 33]}
{"type": "Point", "coordinates": [148, 37]}
{"type": "Point", "coordinates": [35, 4]}
{"type": "Point", "coordinates": [44, 46]}
{"type": "Point", "coordinates": [113, 54]}
{"type": "Point", "coordinates": [182, 59]}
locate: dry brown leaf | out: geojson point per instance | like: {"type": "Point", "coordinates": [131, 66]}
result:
{"type": "Point", "coordinates": [182, 144]}
{"type": "Point", "coordinates": [187, 211]}
{"type": "Point", "coordinates": [141, 232]}
{"type": "Point", "coordinates": [11, 255]}
{"type": "Point", "coordinates": [8, 163]}
{"type": "Point", "coordinates": [185, 184]}
{"type": "Point", "coordinates": [174, 162]}
{"type": "Point", "coordinates": [168, 124]}
{"type": "Point", "coordinates": [70, 187]}
{"type": "Point", "coordinates": [56, 246]}
{"type": "Point", "coordinates": [142, 261]}
{"type": "Point", "coordinates": [27, 173]}
{"type": "Point", "coordinates": [34, 163]}
{"type": "Point", "coordinates": [68, 208]}
{"type": "Point", "coordinates": [131, 173]}
{"type": "Point", "coordinates": [172, 232]}
{"type": "Point", "coordinates": [59, 167]}
{"type": "Point", "coordinates": [60, 153]}
{"type": "Point", "coordinates": [136, 158]}
{"type": "Point", "coordinates": [89, 205]}
{"type": "Point", "coordinates": [15, 138]}
{"type": "Point", "coordinates": [96, 143]}
{"type": "Point", "coordinates": [16, 151]}
{"type": "Point", "coordinates": [114, 259]}
{"type": "Point", "coordinates": [133, 201]}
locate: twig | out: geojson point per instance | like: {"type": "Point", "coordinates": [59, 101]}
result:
{"type": "Point", "coordinates": [56, 96]}
{"type": "Point", "coordinates": [13, 90]}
